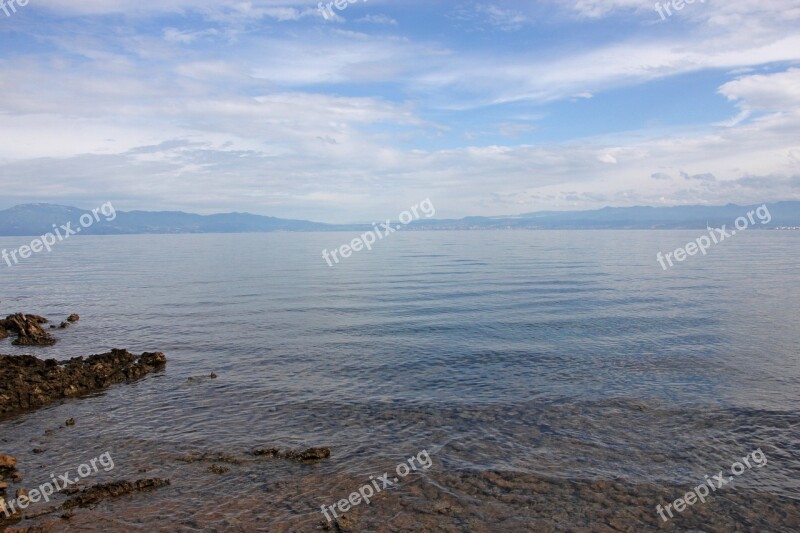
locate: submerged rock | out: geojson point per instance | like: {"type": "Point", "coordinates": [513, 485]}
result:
{"type": "Point", "coordinates": [8, 468]}
{"type": "Point", "coordinates": [210, 457]}
{"type": "Point", "coordinates": [104, 491]}
{"type": "Point", "coordinates": [311, 454]}
{"type": "Point", "coordinates": [7, 462]}
{"type": "Point", "coordinates": [29, 382]}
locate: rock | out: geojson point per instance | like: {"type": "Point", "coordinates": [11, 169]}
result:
{"type": "Point", "coordinates": [28, 329]}
{"type": "Point", "coordinates": [38, 450]}
{"type": "Point", "coordinates": [28, 382]}
{"type": "Point", "coordinates": [218, 469]}
{"type": "Point", "coordinates": [7, 462]}
{"type": "Point", "coordinates": [22, 492]}
{"type": "Point", "coordinates": [63, 325]}
{"type": "Point", "coordinates": [311, 454]}
{"type": "Point", "coordinates": [104, 491]}
{"type": "Point", "coordinates": [213, 375]}
{"type": "Point", "coordinates": [210, 457]}
{"type": "Point", "coordinates": [70, 422]}
{"type": "Point", "coordinates": [3, 487]}
{"type": "Point", "coordinates": [266, 452]}
{"type": "Point", "coordinates": [74, 317]}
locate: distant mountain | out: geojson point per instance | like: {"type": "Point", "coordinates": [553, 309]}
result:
{"type": "Point", "coordinates": [681, 217]}
{"type": "Point", "coordinates": [38, 219]}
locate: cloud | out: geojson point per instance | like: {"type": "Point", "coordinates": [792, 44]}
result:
{"type": "Point", "coordinates": [378, 19]}
{"type": "Point", "coordinates": [699, 177]}
{"type": "Point", "coordinates": [601, 8]}
{"type": "Point", "coordinates": [485, 15]}
{"type": "Point", "coordinates": [187, 37]}
{"type": "Point", "coordinates": [262, 106]}
{"type": "Point", "coordinates": [777, 92]}
{"type": "Point", "coordinates": [503, 19]}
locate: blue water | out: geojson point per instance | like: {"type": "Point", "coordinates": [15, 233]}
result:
{"type": "Point", "coordinates": [566, 352]}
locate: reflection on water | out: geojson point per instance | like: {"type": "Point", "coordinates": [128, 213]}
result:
{"type": "Point", "coordinates": [568, 355]}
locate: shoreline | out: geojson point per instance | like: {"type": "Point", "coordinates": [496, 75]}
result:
{"type": "Point", "coordinates": [265, 488]}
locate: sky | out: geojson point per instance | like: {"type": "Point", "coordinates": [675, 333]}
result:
{"type": "Point", "coordinates": [289, 109]}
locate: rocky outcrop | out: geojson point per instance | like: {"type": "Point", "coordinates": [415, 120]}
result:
{"type": "Point", "coordinates": [28, 329]}
{"type": "Point", "coordinates": [28, 382]}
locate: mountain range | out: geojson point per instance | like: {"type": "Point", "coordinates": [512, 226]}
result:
{"type": "Point", "coordinates": [38, 219]}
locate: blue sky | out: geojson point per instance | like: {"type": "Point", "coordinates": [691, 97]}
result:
{"type": "Point", "coordinates": [490, 108]}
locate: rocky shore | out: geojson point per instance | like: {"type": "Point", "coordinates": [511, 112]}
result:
{"type": "Point", "coordinates": [28, 382]}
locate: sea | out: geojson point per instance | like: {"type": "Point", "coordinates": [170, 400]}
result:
{"type": "Point", "coordinates": [565, 354]}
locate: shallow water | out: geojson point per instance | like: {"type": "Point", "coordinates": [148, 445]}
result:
{"type": "Point", "coordinates": [570, 355]}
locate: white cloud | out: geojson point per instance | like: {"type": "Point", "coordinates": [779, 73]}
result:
{"type": "Point", "coordinates": [778, 92]}
{"type": "Point", "coordinates": [378, 19]}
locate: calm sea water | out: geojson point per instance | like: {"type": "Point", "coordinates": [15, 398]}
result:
{"type": "Point", "coordinates": [570, 353]}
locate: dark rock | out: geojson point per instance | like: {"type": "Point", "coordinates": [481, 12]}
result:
{"type": "Point", "coordinates": [105, 491]}
{"type": "Point", "coordinates": [74, 317]}
{"type": "Point", "coordinates": [311, 454]}
{"type": "Point", "coordinates": [266, 452]}
{"type": "Point", "coordinates": [28, 329]}
{"type": "Point", "coordinates": [28, 382]}
{"type": "Point", "coordinates": [210, 457]}
{"type": "Point", "coordinates": [7, 462]}
{"type": "Point", "coordinates": [70, 422]}
{"type": "Point", "coordinates": [218, 469]}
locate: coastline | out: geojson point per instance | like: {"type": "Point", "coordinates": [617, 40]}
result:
{"type": "Point", "coordinates": [265, 488]}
